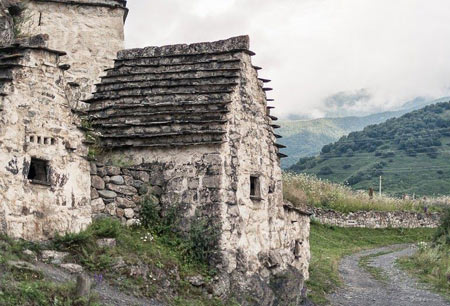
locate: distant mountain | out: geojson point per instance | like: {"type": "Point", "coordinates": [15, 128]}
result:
{"type": "Point", "coordinates": [411, 154]}
{"type": "Point", "coordinates": [304, 138]}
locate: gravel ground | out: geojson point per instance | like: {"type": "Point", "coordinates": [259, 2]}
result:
{"type": "Point", "coordinates": [361, 289]}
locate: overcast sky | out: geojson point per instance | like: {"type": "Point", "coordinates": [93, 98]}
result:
{"type": "Point", "coordinates": [323, 56]}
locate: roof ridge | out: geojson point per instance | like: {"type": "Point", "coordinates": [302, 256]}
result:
{"type": "Point", "coordinates": [231, 44]}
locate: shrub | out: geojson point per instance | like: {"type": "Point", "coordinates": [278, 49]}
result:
{"type": "Point", "coordinates": [203, 238]}
{"type": "Point", "coordinates": [106, 228]}
{"type": "Point", "coordinates": [442, 234]}
{"type": "Point", "coordinates": [325, 171]}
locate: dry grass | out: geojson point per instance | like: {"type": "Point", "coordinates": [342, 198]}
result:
{"type": "Point", "coordinates": [303, 188]}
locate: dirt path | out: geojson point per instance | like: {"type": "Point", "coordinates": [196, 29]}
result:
{"type": "Point", "coordinates": [108, 295]}
{"type": "Point", "coordinates": [361, 289]}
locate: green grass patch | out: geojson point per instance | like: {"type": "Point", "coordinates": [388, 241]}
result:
{"type": "Point", "coordinates": [431, 264]}
{"type": "Point", "coordinates": [22, 285]}
{"type": "Point", "coordinates": [329, 244]}
{"type": "Point", "coordinates": [377, 273]}
{"type": "Point", "coordinates": [151, 262]}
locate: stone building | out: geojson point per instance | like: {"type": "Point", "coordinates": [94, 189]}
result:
{"type": "Point", "coordinates": [189, 124]}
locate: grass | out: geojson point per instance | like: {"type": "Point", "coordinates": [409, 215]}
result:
{"type": "Point", "coordinates": [143, 262]}
{"type": "Point", "coordinates": [377, 273]}
{"type": "Point", "coordinates": [308, 189]}
{"type": "Point", "coordinates": [22, 285]}
{"type": "Point", "coordinates": [431, 265]}
{"type": "Point", "coordinates": [329, 244]}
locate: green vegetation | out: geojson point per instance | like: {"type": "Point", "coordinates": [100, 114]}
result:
{"type": "Point", "coordinates": [308, 189]}
{"type": "Point", "coordinates": [329, 244]}
{"type": "Point", "coordinates": [432, 262]}
{"type": "Point", "coordinates": [377, 273]}
{"type": "Point", "coordinates": [150, 261]}
{"type": "Point", "coordinates": [410, 153]}
{"type": "Point", "coordinates": [307, 137]}
{"type": "Point", "coordinates": [21, 284]}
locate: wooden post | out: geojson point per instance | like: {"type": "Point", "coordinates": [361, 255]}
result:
{"type": "Point", "coordinates": [380, 185]}
{"type": "Point", "coordinates": [83, 286]}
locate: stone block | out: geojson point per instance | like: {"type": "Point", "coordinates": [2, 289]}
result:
{"type": "Point", "coordinates": [143, 176]}
{"type": "Point", "coordinates": [137, 183]}
{"type": "Point", "coordinates": [101, 171]}
{"type": "Point", "coordinates": [125, 203]}
{"type": "Point", "coordinates": [129, 180]}
{"type": "Point", "coordinates": [143, 190]}
{"type": "Point", "coordinates": [107, 194]}
{"type": "Point", "coordinates": [54, 257]}
{"type": "Point", "coordinates": [111, 209]}
{"type": "Point", "coordinates": [72, 268]}
{"type": "Point", "coordinates": [93, 168]}
{"type": "Point", "coordinates": [133, 222]}
{"type": "Point", "coordinates": [117, 179]}
{"type": "Point", "coordinates": [212, 181]}
{"type": "Point", "coordinates": [97, 182]}
{"type": "Point", "coordinates": [129, 213]}
{"type": "Point", "coordinates": [94, 194]}
{"type": "Point", "coordinates": [157, 191]}
{"type": "Point", "coordinates": [106, 242]}
{"type": "Point", "coordinates": [97, 206]}
{"type": "Point", "coordinates": [122, 189]}
{"type": "Point", "coordinates": [120, 212]}
{"type": "Point", "coordinates": [112, 170]}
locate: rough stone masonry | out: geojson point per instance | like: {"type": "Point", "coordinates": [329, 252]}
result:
{"type": "Point", "coordinates": [189, 124]}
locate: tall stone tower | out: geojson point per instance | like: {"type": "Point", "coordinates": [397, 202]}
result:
{"type": "Point", "coordinates": [91, 32]}
{"type": "Point", "coordinates": [52, 52]}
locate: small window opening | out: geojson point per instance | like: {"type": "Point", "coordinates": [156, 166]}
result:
{"type": "Point", "coordinates": [38, 172]}
{"type": "Point", "coordinates": [255, 187]}
{"type": "Point", "coordinates": [46, 140]}
{"type": "Point", "coordinates": [31, 138]}
{"type": "Point", "coordinates": [53, 141]}
{"type": "Point", "coordinates": [39, 139]}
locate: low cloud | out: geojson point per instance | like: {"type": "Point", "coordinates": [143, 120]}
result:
{"type": "Point", "coordinates": [317, 50]}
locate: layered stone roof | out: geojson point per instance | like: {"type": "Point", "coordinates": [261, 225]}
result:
{"type": "Point", "coordinates": [12, 55]}
{"type": "Point", "coordinates": [107, 3]}
{"type": "Point", "coordinates": [168, 96]}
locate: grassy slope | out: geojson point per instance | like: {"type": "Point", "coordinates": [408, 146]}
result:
{"type": "Point", "coordinates": [330, 244]}
{"type": "Point", "coordinates": [142, 263]}
{"type": "Point", "coordinates": [421, 175]}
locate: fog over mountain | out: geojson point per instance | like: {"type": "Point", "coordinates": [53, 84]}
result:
{"type": "Point", "coordinates": [345, 57]}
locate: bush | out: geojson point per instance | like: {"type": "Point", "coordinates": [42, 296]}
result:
{"type": "Point", "coordinates": [442, 234]}
{"type": "Point", "coordinates": [325, 171]}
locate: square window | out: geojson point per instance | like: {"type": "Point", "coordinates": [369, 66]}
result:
{"type": "Point", "coordinates": [39, 171]}
{"type": "Point", "coordinates": [46, 140]}
{"type": "Point", "coordinates": [255, 188]}
{"type": "Point", "coordinates": [53, 141]}
{"type": "Point", "coordinates": [31, 138]}
{"type": "Point", "coordinates": [39, 140]}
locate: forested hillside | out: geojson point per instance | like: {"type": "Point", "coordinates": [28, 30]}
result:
{"type": "Point", "coordinates": [410, 153]}
{"type": "Point", "coordinates": [304, 138]}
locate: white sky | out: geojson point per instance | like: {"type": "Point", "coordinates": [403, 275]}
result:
{"type": "Point", "coordinates": [393, 50]}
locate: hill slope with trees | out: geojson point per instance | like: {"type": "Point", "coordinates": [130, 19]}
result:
{"type": "Point", "coordinates": [410, 153]}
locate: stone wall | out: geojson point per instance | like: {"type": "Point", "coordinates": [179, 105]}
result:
{"type": "Point", "coordinates": [90, 32]}
{"type": "Point", "coordinates": [36, 123]}
{"type": "Point", "coordinates": [377, 219]}
{"type": "Point", "coordinates": [119, 191]}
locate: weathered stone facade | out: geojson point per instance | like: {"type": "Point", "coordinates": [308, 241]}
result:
{"type": "Point", "coordinates": [191, 122]}
{"type": "Point", "coordinates": [377, 219]}
{"type": "Point", "coordinates": [38, 133]}
{"type": "Point", "coordinates": [91, 32]}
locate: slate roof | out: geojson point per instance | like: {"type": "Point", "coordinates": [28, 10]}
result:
{"type": "Point", "coordinates": [168, 96]}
